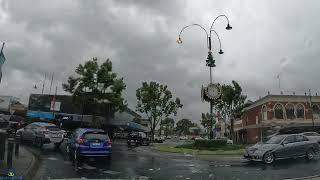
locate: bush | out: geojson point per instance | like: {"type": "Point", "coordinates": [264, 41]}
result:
{"type": "Point", "coordinates": [210, 143]}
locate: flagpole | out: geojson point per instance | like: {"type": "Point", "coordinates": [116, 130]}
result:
{"type": "Point", "coordinates": [44, 81]}
{"type": "Point", "coordinates": [51, 82]}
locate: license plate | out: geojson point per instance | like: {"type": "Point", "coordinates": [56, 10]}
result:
{"type": "Point", "coordinates": [95, 144]}
{"type": "Point", "coordinates": [55, 136]}
{"type": "Point", "coordinates": [132, 140]}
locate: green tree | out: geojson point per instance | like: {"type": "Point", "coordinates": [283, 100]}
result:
{"type": "Point", "coordinates": [206, 121]}
{"type": "Point", "coordinates": [96, 84]}
{"type": "Point", "coordinates": [232, 102]}
{"type": "Point", "coordinates": [167, 125]}
{"type": "Point", "coordinates": [156, 101]}
{"type": "Point", "coordinates": [182, 126]}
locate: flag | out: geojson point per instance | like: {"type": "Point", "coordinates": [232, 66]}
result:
{"type": "Point", "coordinates": [2, 60]}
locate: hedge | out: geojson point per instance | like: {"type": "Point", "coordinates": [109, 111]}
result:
{"type": "Point", "coordinates": [210, 143]}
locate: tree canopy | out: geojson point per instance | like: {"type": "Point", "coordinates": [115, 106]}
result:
{"type": "Point", "coordinates": [167, 125]}
{"type": "Point", "coordinates": [96, 84]}
{"type": "Point", "coordinates": [183, 125]}
{"type": "Point", "coordinates": [157, 102]}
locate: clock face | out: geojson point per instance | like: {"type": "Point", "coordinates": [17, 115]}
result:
{"type": "Point", "coordinates": [213, 91]}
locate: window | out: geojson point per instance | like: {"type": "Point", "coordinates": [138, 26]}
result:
{"type": "Point", "coordinates": [311, 134]}
{"type": "Point", "coordinates": [315, 109]}
{"type": "Point", "coordinates": [299, 138]}
{"type": "Point", "coordinates": [264, 113]}
{"type": "Point", "coordinates": [289, 139]}
{"type": "Point", "coordinates": [300, 111]}
{"type": "Point", "coordinates": [278, 111]}
{"type": "Point", "coordinates": [290, 111]}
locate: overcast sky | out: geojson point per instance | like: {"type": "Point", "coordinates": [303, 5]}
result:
{"type": "Point", "coordinates": [268, 38]}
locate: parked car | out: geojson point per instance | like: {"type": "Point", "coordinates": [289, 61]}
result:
{"type": "Point", "coordinates": [40, 133]}
{"type": "Point", "coordinates": [312, 136]}
{"type": "Point", "coordinates": [183, 138]}
{"type": "Point", "coordinates": [158, 139]}
{"type": "Point", "coordinates": [229, 141]}
{"type": "Point", "coordinates": [282, 147]}
{"type": "Point", "coordinates": [88, 143]}
{"type": "Point", "coordinates": [138, 138]}
{"type": "Point", "coordinates": [4, 124]}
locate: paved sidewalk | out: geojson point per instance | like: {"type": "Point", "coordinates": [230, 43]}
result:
{"type": "Point", "coordinates": [21, 164]}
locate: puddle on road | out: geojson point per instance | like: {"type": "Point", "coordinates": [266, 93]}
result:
{"type": "Point", "coordinates": [111, 172]}
{"type": "Point", "coordinates": [52, 158]}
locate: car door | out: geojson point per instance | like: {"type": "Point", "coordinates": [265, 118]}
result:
{"type": "Point", "coordinates": [300, 145]}
{"type": "Point", "coordinates": [287, 148]}
{"type": "Point", "coordinates": [33, 131]}
{"type": "Point", "coordinates": [26, 133]}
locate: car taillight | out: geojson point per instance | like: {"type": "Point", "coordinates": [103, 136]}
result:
{"type": "Point", "coordinates": [109, 141]}
{"type": "Point", "coordinates": [81, 140]}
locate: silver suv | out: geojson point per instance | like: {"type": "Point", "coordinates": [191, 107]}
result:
{"type": "Point", "coordinates": [40, 133]}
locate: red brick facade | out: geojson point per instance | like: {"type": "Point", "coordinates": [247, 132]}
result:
{"type": "Point", "coordinates": [261, 115]}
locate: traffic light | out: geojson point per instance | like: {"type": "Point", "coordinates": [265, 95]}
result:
{"type": "Point", "coordinates": [210, 61]}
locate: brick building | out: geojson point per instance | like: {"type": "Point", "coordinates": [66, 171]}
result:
{"type": "Point", "coordinates": [274, 113]}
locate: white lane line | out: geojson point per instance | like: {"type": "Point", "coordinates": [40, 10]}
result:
{"type": "Point", "coordinates": [305, 177]}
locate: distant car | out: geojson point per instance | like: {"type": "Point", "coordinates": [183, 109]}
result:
{"type": "Point", "coordinates": [183, 138]}
{"type": "Point", "coordinates": [40, 133]}
{"type": "Point", "coordinates": [138, 138]}
{"type": "Point", "coordinates": [312, 136]}
{"type": "Point", "coordinates": [168, 137]}
{"type": "Point", "coordinates": [198, 138]}
{"type": "Point", "coordinates": [4, 125]}
{"type": "Point", "coordinates": [282, 147]}
{"type": "Point", "coordinates": [158, 139]}
{"type": "Point", "coordinates": [88, 143]}
{"type": "Point", "coordinates": [229, 141]}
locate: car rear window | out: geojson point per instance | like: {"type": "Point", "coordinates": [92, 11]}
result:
{"type": "Point", "coordinates": [100, 136]}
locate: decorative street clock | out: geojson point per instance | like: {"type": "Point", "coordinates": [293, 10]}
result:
{"type": "Point", "coordinates": [213, 91]}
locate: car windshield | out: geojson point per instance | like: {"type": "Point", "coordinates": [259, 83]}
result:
{"type": "Point", "coordinates": [275, 140]}
{"type": "Point", "coordinates": [94, 136]}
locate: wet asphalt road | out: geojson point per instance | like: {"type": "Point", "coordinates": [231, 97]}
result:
{"type": "Point", "coordinates": [138, 163]}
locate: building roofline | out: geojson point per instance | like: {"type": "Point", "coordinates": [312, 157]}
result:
{"type": "Point", "coordinates": [280, 98]}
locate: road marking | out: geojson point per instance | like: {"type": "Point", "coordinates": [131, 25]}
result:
{"type": "Point", "coordinates": [306, 177]}
{"type": "Point", "coordinates": [111, 172]}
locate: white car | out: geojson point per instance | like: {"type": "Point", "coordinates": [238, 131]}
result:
{"type": "Point", "coordinates": [229, 141]}
{"type": "Point", "coordinates": [183, 138]}
{"type": "Point", "coordinates": [40, 133]}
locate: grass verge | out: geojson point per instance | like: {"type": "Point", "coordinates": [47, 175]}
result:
{"type": "Point", "coordinates": [181, 149]}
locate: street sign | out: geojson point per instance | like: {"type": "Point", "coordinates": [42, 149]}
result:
{"type": "Point", "coordinates": [55, 106]}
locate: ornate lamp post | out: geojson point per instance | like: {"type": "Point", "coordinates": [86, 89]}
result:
{"type": "Point", "coordinates": [212, 91]}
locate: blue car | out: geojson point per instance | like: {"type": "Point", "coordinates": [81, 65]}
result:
{"type": "Point", "coordinates": [88, 143]}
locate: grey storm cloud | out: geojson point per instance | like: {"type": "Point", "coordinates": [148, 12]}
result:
{"type": "Point", "coordinates": [268, 38]}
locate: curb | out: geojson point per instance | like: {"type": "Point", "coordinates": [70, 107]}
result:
{"type": "Point", "coordinates": [33, 168]}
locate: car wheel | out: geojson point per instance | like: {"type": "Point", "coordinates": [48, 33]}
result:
{"type": "Point", "coordinates": [268, 157]}
{"type": "Point", "coordinates": [310, 154]}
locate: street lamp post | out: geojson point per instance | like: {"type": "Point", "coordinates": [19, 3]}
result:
{"type": "Point", "coordinates": [210, 62]}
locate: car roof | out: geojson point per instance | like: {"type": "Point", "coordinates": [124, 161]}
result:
{"type": "Point", "coordinates": [83, 130]}
{"type": "Point", "coordinates": [42, 124]}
